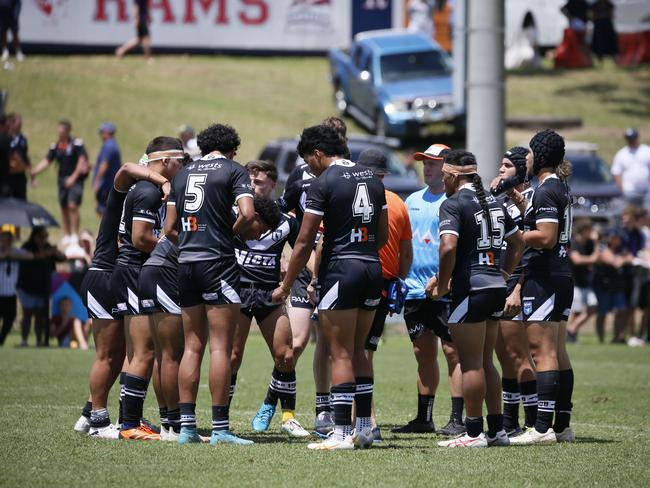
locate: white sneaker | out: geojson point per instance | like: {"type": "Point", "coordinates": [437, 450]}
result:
{"type": "Point", "coordinates": [531, 436]}
{"type": "Point", "coordinates": [363, 438]}
{"type": "Point", "coordinates": [465, 441]}
{"type": "Point", "coordinates": [168, 434]}
{"type": "Point", "coordinates": [20, 57]}
{"type": "Point", "coordinates": [294, 429]}
{"type": "Point", "coordinates": [82, 426]}
{"type": "Point", "coordinates": [635, 342]}
{"type": "Point", "coordinates": [5, 55]}
{"type": "Point", "coordinates": [332, 444]}
{"type": "Point", "coordinates": [324, 423]}
{"type": "Point", "coordinates": [109, 432]}
{"type": "Point", "coordinates": [567, 435]}
{"type": "Point", "coordinates": [499, 440]}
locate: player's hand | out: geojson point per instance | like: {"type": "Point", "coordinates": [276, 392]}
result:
{"type": "Point", "coordinates": [495, 182]}
{"type": "Point", "coordinates": [166, 189]}
{"type": "Point", "coordinates": [312, 294]}
{"type": "Point", "coordinates": [513, 304]}
{"type": "Point", "coordinates": [435, 290]}
{"type": "Point", "coordinates": [280, 294]}
{"type": "Point", "coordinates": [34, 181]}
{"type": "Point", "coordinates": [69, 181]}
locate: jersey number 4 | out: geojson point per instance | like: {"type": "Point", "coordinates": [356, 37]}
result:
{"type": "Point", "coordinates": [495, 240]}
{"type": "Point", "coordinates": [194, 192]}
{"type": "Point", "coordinates": [361, 206]}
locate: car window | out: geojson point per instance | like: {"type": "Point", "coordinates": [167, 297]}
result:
{"type": "Point", "coordinates": [408, 66]}
{"type": "Point", "coordinates": [270, 153]}
{"type": "Point", "coordinates": [589, 169]}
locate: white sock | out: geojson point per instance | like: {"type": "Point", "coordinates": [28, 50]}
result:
{"type": "Point", "coordinates": [342, 431]}
{"type": "Point", "coordinates": [363, 423]}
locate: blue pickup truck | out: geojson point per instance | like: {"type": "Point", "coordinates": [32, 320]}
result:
{"type": "Point", "coordinates": [396, 84]}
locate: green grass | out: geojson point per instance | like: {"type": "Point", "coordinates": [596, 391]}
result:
{"type": "Point", "coordinates": [42, 391]}
{"type": "Point", "coordinates": [266, 98]}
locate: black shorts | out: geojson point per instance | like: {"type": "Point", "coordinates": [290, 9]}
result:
{"type": "Point", "coordinates": [73, 194]}
{"type": "Point", "coordinates": [256, 302]}
{"type": "Point", "coordinates": [142, 30]}
{"type": "Point", "coordinates": [350, 283]}
{"type": "Point", "coordinates": [424, 314]}
{"type": "Point", "coordinates": [124, 284]}
{"type": "Point", "coordinates": [158, 290]}
{"type": "Point", "coordinates": [546, 299]}
{"type": "Point", "coordinates": [214, 282]}
{"type": "Point", "coordinates": [378, 323]}
{"type": "Point", "coordinates": [476, 306]}
{"type": "Point", "coordinates": [9, 18]}
{"type": "Point", "coordinates": [97, 295]}
{"type": "Point", "coordinates": [299, 297]}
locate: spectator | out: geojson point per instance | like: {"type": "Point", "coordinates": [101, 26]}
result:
{"type": "Point", "coordinates": [68, 328]}
{"type": "Point", "coordinates": [609, 282]}
{"type": "Point", "coordinates": [190, 146]}
{"type": "Point", "coordinates": [577, 12]}
{"type": "Point", "coordinates": [604, 40]}
{"type": "Point", "coordinates": [107, 165]}
{"type": "Point", "coordinates": [10, 257]}
{"type": "Point", "coordinates": [141, 16]}
{"type": "Point", "coordinates": [420, 14]}
{"type": "Point", "coordinates": [34, 285]}
{"type": "Point", "coordinates": [20, 162]}
{"type": "Point", "coordinates": [631, 168]}
{"type": "Point", "coordinates": [72, 157]}
{"type": "Point", "coordinates": [80, 257]}
{"type": "Point", "coordinates": [9, 14]}
{"type": "Point", "coordinates": [633, 243]}
{"type": "Point", "coordinates": [5, 158]}
{"type": "Point", "coordinates": [584, 256]}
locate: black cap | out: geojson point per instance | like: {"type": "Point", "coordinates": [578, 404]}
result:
{"type": "Point", "coordinates": [375, 159]}
{"type": "Point", "coordinates": [631, 133]}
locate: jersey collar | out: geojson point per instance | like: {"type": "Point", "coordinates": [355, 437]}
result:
{"type": "Point", "coordinates": [342, 162]}
{"type": "Point", "coordinates": [467, 186]}
{"type": "Point", "coordinates": [551, 176]}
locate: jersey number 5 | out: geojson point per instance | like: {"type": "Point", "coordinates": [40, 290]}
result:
{"type": "Point", "coordinates": [194, 193]}
{"type": "Point", "coordinates": [362, 207]}
{"type": "Point", "coordinates": [487, 241]}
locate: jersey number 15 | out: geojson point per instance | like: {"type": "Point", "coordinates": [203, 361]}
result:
{"type": "Point", "coordinates": [487, 241]}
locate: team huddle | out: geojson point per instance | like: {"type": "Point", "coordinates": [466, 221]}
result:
{"type": "Point", "coordinates": [189, 252]}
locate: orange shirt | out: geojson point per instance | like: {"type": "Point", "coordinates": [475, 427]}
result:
{"type": "Point", "coordinates": [399, 229]}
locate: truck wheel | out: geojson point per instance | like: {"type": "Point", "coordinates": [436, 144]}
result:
{"type": "Point", "coordinates": [339, 100]}
{"type": "Point", "coordinates": [380, 124]}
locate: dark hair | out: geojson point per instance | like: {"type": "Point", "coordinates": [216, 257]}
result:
{"type": "Point", "coordinates": [460, 157]}
{"type": "Point", "coordinates": [581, 225]}
{"type": "Point", "coordinates": [218, 137]}
{"type": "Point", "coordinates": [268, 211]}
{"type": "Point", "coordinates": [66, 123]}
{"type": "Point", "coordinates": [35, 230]}
{"type": "Point", "coordinates": [267, 167]}
{"type": "Point", "coordinates": [548, 150]}
{"type": "Point", "coordinates": [164, 143]}
{"type": "Point", "coordinates": [323, 138]}
{"type": "Point", "coordinates": [338, 125]}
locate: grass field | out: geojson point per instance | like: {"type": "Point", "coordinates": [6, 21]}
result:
{"type": "Point", "coordinates": [43, 390]}
{"type": "Point", "coordinates": [265, 98]}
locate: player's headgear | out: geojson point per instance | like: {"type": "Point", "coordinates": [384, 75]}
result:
{"type": "Point", "coordinates": [548, 150]}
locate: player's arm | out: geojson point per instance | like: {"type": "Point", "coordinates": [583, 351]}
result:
{"type": "Point", "coordinates": [547, 220]}
{"type": "Point", "coordinates": [80, 169]}
{"type": "Point", "coordinates": [145, 209]}
{"type": "Point", "coordinates": [514, 251]}
{"type": "Point", "coordinates": [41, 166]}
{"type": "Point", "coordinates": [246, 215]}
{"type": "Point", "coordinates": [171, 222]}
{"type": "Point", "coordinates": [405, 257]}
{"type": "Point", "coordinates": [130, 173]}
{"type": "Point", "coordinates": [382, 229]}
{"type": "Point", "coordinates": [447, 261]}
{"type": "Point", "coordinates": [143, 237]}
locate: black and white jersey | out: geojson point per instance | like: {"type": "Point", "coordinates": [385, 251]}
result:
{"type": "Point", "coordinates": [106, 245]}
{"type": "Point", "coordinates": [164, 255]}
{"type": "Point", "coordinates": [350, 199]}
{"type": "Point", "coordinates": [518, 219]}
{"type": "Point", "coordinates": [203, 193]}
{"type": "Point", "coordinates": [67, 155]}
{"type": "Point", "coordinates": [480, 238]}
{"type": "Point", "coordinates": [142, 204]}
{"type": "Point", "coordinates": [294, 196]}
{"type": "Point", "coordinates": [550, 203]}
{"type": "Point", "coordinates": [259, 260]}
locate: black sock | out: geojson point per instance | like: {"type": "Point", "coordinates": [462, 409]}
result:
{"type": "Point", "coordinates": [511, 399]}
{"type": "Point", "coordinates": [233, 387]}
{"type": "Point", "coordinates": [121, 402]}
{"type": "Point", "coordinates": [474, 426]}
{"type": "Point", "coordinates": [323, 402]}
{"type": "Point", "coordinates": [363, 396]}
{"type": "Point", "coordinates": [495, 424]}
{"type": "Point", "coordinates": [164, 418]}
{"type": "Point", "coordinates": [425, 407]}
{"type": "Point", "coordinates": [547, 389]}
{"type": "Point", "coordinates": [282, 386]}
{"type": "Point", "coordinates": [457, 404]}
{"type": "Point", "coordinates": [135, 391]}
{"type": "Point", "coordinates": [563, 404]}
{"type": "Point", "coordinates": [188, 414]}
{"type": "Point", "coordinates": [88, 407]}
{"type": "Point", "coordinates": [528, 391]}
{"type": "Point", "coordinates": [220, 418]}
{"type": "Point", "coordinates": [342, 398]}
{"type": "Point", "coordinates": [174, 417]}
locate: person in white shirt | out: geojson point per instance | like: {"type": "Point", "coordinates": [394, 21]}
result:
{"type": "Point", "coordinates": [631, 168]}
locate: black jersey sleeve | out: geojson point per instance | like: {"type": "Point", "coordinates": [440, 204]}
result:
{"type": "Point", "coordinates": [241, 182]}
{"type": "Point", "coordinates": [546, 205]}
{"type": "Point", "coordinates": [294, 230]}
{"type": "Point", "coordinates": [80, 148]}
{"type": "Point", "coordinates": [510, 225]}
{"type": "Point", "coordinates": [51, 152]}
{"type": "Point", "coordinates": [290, 199]}
{"type": "Point", "coordinates": [317, 197]}
{"type": "Point", "coordinates": [450, 218]}
{"type": "Point", "coordinates": [146, 203]}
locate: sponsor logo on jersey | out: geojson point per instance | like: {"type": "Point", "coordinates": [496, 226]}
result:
{"type": "Point", "coordinates": [257, 260]}
{"type": "Point", "coordinates": [299, 299]}
{"type": "Point", "coordinates": [148, 303]}
{"type": "Point", "coordinates": [528, 307]}
{"type": "Point", "coordinates": [372, 302]}
{"type": "Point", "coordinates": [426, 238]}
{"type": "Point", "coordinates": [486, 258]}
{"type": "Point", "coordinates": [360, 234]}
{"type": "Point", "coordinates": [189, 224]}
{"type": "Point", "coordinates": [210, 296]}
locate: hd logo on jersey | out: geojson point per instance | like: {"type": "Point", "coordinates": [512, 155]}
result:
{"type": "Point", "coordinates": [189, 224]}
{"type": "Point", "coordinates": [360, 234]}
{"type": "Point", "coordinates": [486, 258]}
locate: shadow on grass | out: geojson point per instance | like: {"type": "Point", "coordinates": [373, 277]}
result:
{"type": "Point", "coordinates": [594, 440]}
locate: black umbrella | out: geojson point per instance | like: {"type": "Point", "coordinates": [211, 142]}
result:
{"type": "Point", "coordinates": [24, 214]}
